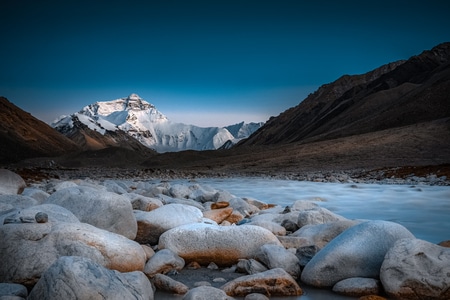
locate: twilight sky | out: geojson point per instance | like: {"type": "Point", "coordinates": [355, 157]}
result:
{"type": "Point", "coordinates": [208, 63]}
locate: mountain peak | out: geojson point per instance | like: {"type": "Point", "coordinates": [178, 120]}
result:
{"type": "Point", "coordinates": [134, 96]}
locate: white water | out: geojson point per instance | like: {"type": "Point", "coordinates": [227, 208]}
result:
{"type": "Point", "coordinates": [424, 210]}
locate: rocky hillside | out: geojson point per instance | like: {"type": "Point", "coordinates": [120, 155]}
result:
{"type": "Point", "coordinates": [397, 94]}
{"type": "Point", "coordinates": [23, 136]}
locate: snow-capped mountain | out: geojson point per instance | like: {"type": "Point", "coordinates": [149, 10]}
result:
{"type": "Point", "coordinates": [142, 121]}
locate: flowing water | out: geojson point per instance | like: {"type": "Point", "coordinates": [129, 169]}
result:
{"type": "Point", "coordinates": [424, 210]}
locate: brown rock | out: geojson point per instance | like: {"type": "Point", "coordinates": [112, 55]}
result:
{"type": "Point", "coordinates": [371, 297]}
{"type": "Point", "coordinates": [275, 282]}
{"type": "Point", "coordinates": [165, 283]}
{"type": "Point", "coordinates": [445, 244]}
{"type": "Point", "coordinates": [218, 215]}
{"type": "Point", "coordinates": [220, 204]}
{"type": "Point", "coordinates": [235, 217]}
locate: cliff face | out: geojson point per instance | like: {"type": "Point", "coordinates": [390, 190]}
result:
{"type": "Point", "coordinates": [397, 94]}
{"type": "Point", "coordinates": [23, 136]}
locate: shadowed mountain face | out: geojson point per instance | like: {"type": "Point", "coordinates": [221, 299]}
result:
{"type": "Point", "coordinates": [23, 136]}
{"type": "Point", "coordinates": [394, 95]}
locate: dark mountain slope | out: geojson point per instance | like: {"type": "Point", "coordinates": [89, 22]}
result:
{"type": "Point", "coordinates": [23, 136]}
{"type": "Point", "coordinates": [394, 95]}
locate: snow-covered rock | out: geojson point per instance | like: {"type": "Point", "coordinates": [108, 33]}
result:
{"type": "Point", "coordinates": [142, 121]}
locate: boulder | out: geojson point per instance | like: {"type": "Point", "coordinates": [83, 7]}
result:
{"type": "Point", "coordinates": [250, 266]}
{"type": "Point", "coordinates": [224, 245]}
{"type": "Point", "coordinates": [275, 256]}
{"type": "Point", "coordinates": [162, 262]}
{"type": "Point", "coordinates": [357, 287]}
{"type": "Point", "coordinates": [416, 269]}
{"type": "Point", "coordinates": [35, 193]}
{"type": "Point", "coordinates": [318, 215]}
{"type": "Point", "coordinates": [321, 234]}
{"type": "Point", "coordinates": [11, 183]}
{"type": "Point", "coordinates": [275, 282]}
{"type": "Point", "coordinates": [114, 187]}
{"type": "Point", "coordinates": [143, 203]}
{"type": "Point", "coordinates": [245, 208]}
{"type": "Point", "coordinates": [357, 252]}
{"type": "Point", "coordinates": [8, 202]}
{"type": "Point", "coordinates": [54, 212]}
{"type": "Point", "coordinates": [101, 209]}
{"type": "Point", "coordinates": [301, 205]}
{"type": "Point", "coordinates": [154, 223]}
{"type": "Point", "coordinates": [27, 250]}
{"type": "Point", "coordinates": [13, 289]}
{"type": "Point", "coordinates": [167, 284]}
{"type": "Point", "coordinates": [206, 293]}
{"type": "Point", "coordinates": [72, 277]}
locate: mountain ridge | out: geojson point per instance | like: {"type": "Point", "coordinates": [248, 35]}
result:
{"type": "Point", "coordinates": [141, 120]}
{"type": "Point", "coordinates": [352, 103]}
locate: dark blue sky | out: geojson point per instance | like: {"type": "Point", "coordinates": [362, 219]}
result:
{"type": "Point", "coordinates": [202, 62]}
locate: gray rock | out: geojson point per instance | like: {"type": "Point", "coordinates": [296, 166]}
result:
{"type": "Point", "coordinates": [11, 183]}
{"type": "Point", "coordinates": [306, 253]}
{"type": "Point", "coordinates": [114, 187]}
{"type": "Point", "coordinates": [275, 256]}
{"type": "Point", "coordinates": [72, 277]}
{"type": "Point", "coordinates": [101, 209]}
{"type": "Point", "coordinates": [273, 227]}
{"type": "Point", "coordinates": [162, 262]}
{"type": "Point", "coordinates": [357, 252]}
{"type": "Point", "coordinates": [27, 250]}
{"type": "Point", "coordinates": [154, 223]}
{"type": "Point", "coordinates": [41, 217]}
{"type": "Point", "coordinates": [54, 212]}
{"type": "Point", "coordinates": [13, 289]}
{"type": "Point", "coordinates": [223, 245]}
{"type": "Point", "coordinates": [8, 202]}
{"type": "Point", "coordinates": [357, 287]}
{"type": "Point", "coordinates": [206, 293]}
{"type": "Point", "coordinates": [416, 269]}
{"type": "Point", "coordinates": [256, 296]}
{"type": "Point", "coordinates": [250, 266]}
{"type": "Point", "coordinates": [301, 205]}
{"type": "Point", "coordinates": [321, 234]}
{"type": "Point", "coordinates": [318, 215]}
{"type": "Point", "coordinates": [35, 193]}
{"type": "Point", "coordinates": [275, 282]}
{"type": "Point", "coordinates": [143, 203]}
{"type": "Point", "coordinates": [243, 207]}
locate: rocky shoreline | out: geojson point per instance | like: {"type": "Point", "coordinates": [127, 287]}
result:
{"type": "Point", "coordinates": [118, 235]}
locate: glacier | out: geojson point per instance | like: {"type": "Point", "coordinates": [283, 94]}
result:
{"type": "Point", "coordinates": [144, 122]}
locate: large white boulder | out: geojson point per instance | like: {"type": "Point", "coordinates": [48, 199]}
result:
{"type": "Point", "coordinates": [416, 269]}
{"type": "Point", "coordinates": [357, 252]}
{"type": "Point", "coordinates": [27, 250]}
{"type": "Point", "coordinates": [223, 245]}
{"type": "Point", "coordinates": [54, 212]}
{"type": "Point", "coordinates": [11, 183]}
{"type": "Point", "coordinates": [8, 202]}
{"type": "Point", "coordinates": [72, 277]}
{"type": "Point", "coordinates": [153, 223]}
{"type": "Point", "coordinates": [99, 208]}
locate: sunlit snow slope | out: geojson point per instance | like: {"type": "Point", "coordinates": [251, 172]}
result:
{"type": "Point", "coordinates": [144, 122]}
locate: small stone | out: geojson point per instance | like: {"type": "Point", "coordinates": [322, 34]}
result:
{"type": "Point", "coordinates": [219, 279]}
{"type": "Point", "coordinates": [193, 266]}
{"type": "Point", "coordinates": [41, 217]}
{"type": "Point", "coordinates": [212, 266]}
